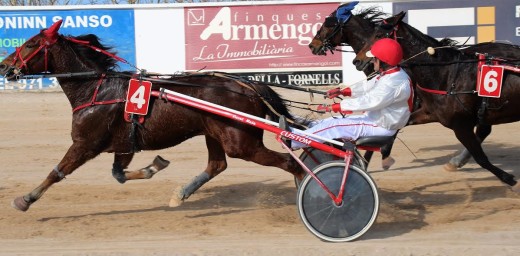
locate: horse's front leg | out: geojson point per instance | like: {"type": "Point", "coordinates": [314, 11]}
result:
{"type": "Point", "coordinates": [466, 136]}
{"type": "Point", "coordinates": [121, 162]}
{"type": "Point", "coordinates": [463, 157]}
{"type": "Point", "coordinates": [76, 156]}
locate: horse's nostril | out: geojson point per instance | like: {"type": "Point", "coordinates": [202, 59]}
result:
{"type": "Point", "coordinates": [3, 67]}
{"type": "Point", "coordinates": [355, 62]}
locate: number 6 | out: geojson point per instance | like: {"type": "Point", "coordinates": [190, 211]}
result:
{"type": "Point", "coordinates": [490, 81]}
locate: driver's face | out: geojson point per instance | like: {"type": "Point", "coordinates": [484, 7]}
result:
{"type": "Point", "coordinates": [376, 62]}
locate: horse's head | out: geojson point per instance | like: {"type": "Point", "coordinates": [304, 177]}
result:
{"type": "Point", "coordinates": [329, 36]}
{"type": "Point", "coordinates": [32, 55]}
{"type": "Point", "coordinates": [387, 29]}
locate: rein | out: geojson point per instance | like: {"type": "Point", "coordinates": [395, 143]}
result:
{"type": "Point", "coordinates": [45, 43]}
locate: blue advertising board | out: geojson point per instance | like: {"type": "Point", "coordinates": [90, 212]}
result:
{"type": "Point", "coordinates": [114, 27]}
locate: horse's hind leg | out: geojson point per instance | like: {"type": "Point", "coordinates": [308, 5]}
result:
{"type": "Point", "coordinates": [121, 162]}
{"type": "Point", "coordinates": [386, 150]}
{"type": "Point", "coordinates": [216, 164]}
{"type": "Point", "coordinates": [76, 156]}
{"type": "Point", "coordinates": [466, 136]}
{"type": "Point", "coordinates": [463, 157]}
{"type": "Point", "coordinates": [387, 160]}
{"type": "Point", "coordinates": [368, 155]}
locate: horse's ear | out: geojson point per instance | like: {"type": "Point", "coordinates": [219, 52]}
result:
{"type": "Point", "coordinates": [51, 34]}
{"type": "Point", "coordinates": [393, 21]}
{"type": "Point", "coordinates": [400, 16]}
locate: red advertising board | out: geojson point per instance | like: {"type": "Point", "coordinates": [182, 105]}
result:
{"type": "Point", "coordinates": [255, 37]}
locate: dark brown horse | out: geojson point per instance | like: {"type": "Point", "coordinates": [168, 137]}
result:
{"type": "Point", "coordinates": [357, 30]}
{"type": "Point", "coordinates": [447, 77]}
{"type": "Point", "coordinates": [86, 73]}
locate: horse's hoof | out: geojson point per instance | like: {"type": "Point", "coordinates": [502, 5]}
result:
{"type": "Point", "coordinates": [177, 198]}
{"type": "Point", "coordinates": [120, 177]}
{"type": "Point", "coordinates": [175, 202]}
{"type": "Point", "coordinates": [387, 163]}
{"type": "Point", "coordinates": [449, 167]}
{"type": "Point", "coordinates": [20, 204]}
{"type": "Point", "coordinates": [160, 163]}
{"type": "Point", "coordinates": [516, 188]}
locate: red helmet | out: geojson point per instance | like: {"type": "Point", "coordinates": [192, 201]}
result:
{"type": "Point", "coordinates": [387, 50]}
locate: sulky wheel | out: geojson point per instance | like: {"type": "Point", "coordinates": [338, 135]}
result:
{"type": "Point", "coordinates": [344, 222]}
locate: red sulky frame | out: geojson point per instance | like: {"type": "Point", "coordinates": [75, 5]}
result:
{"type": "Point", "coordinates": [268, 126]}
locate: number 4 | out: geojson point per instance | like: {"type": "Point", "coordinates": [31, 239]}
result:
{"type": "Point", "coordinates": [138, 97]}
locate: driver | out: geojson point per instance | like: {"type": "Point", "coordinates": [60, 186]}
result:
{"type": "Point", "coordinates": [385, 100]}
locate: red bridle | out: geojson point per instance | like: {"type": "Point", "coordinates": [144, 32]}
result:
{"type": "Point", "coordinates": [394, 31]}
{"type": "Point", "coordinates": [44, 44]}
{"type": "Point", "coordinates": [48, 40]}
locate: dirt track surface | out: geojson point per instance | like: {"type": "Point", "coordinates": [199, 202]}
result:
{"type": "Point", "coordinates": [248, 209]}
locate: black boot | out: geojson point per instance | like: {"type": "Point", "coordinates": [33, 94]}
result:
{"type": "Point", "coordinates": [284, 126]}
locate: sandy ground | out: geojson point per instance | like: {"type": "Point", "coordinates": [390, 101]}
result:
{"type": "Point", "coordinates": [248, 209]}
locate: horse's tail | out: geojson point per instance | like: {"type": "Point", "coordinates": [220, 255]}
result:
{"type": "Point", "coordinates": [276, 105]}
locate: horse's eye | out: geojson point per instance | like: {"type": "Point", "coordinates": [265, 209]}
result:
{"type": "Point", "coordinates": [330, 22]}
{"type": "Point", "coordinates": [31, 44]}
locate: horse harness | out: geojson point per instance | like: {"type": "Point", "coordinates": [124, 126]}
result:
{"type": "Point", "coordinates": [135, 119]}
{"type": "Point", "coordinates": [483, 59]}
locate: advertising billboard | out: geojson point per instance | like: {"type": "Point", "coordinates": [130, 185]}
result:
{"type": "Point", "coordinates": [264, 41]}
{"type": "Point", "coordinates": [267, 43]}
{"type": "Point", "coordinates": [114, 27]}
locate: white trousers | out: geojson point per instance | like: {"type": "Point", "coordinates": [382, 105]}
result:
{"type": "Point", "coordinates": [349, 128]}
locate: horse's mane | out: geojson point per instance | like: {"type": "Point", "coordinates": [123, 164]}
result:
{"type": "Point", "coordinates": [430, 40]}
{"type": "Point", "coordinates": [495, 43]}
{"type": "Point", "coordinates": [98, 60]}
{"type": "Point", "coordinates": [373, 14]}
{"type": "Point", "coordinates": [448, 42]}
